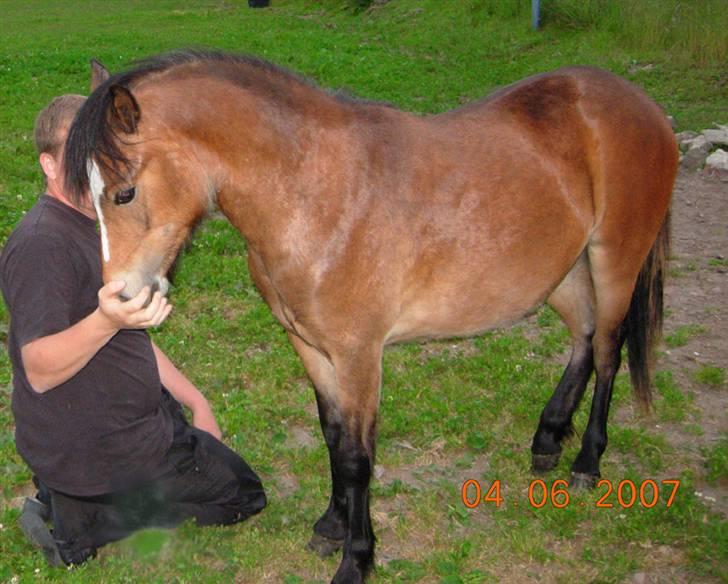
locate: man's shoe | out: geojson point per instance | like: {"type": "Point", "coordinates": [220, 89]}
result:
{"type": "Point", "coordinates": [34, 527]}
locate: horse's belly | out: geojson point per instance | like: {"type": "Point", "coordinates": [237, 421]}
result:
{"type": "Point", "coordinates": [484, 288]}
{"type": "Point", "coordinates": [466, 314]}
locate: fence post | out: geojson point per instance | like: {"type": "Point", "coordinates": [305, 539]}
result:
{"type": "Point", "coordinates": [535, 14]}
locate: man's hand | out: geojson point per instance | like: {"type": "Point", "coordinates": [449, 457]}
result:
{"type": "Point", "coordinates": [204, 419]}
{"type": "Point", "coordinates": [134, 313]}
{"type": "Point", "coordinates": [52, 360]}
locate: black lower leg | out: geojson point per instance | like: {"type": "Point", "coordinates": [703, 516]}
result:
{"type": "Point", "coordinates": [585, 470]}
{"type": "Point", "coordinates": [555, 422]}
{"type": "Point", "coordinates": [332, 525]}
{"type": "Point", "coordinates": [355, 469]}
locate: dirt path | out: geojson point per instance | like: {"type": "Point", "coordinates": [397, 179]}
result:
{"type": "Point", "coordinates": [697, 296]}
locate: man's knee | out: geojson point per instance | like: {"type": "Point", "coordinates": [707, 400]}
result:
{"type": "Point", "coordinates": [246, 503]}
{"type": "Point", "coordinates": [258, 502]}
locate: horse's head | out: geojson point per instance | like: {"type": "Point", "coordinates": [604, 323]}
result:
{"type": "Point", "coordinates": [147, 188]}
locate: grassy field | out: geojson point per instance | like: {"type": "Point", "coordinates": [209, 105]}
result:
{"type": "Point", "coordinates": [451, 411]}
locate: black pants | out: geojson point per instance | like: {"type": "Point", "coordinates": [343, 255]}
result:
{"type": "Point", "coordinates": [199, 478]}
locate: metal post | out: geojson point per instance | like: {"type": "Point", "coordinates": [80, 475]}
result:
{"type": "Point", "coordinates": [535, 14]}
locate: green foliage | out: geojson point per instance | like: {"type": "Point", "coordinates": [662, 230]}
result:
{"type": "Point", "coordinates": [674, 403]}
{"type": "Point", "coordinates": [692, 31]}
{"type": "Point", "coordinates": [710, 375]}
{"type": "Point", "coordinates": [716, 460]}
{"type": "Point", "coordinates": [682, 334]}
{"type": "Point", "coordinates": [579, 14]}
{"type": "Point", "coordinates": [502, 9]}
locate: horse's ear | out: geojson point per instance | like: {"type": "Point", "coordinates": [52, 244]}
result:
{"type": "Point", "coordinates": [124, 113]}
{"type": "Point", "coordinates": [99, 74]}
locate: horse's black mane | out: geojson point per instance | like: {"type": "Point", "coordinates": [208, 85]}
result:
{"type": "Point", "coordinates": [92, 134]}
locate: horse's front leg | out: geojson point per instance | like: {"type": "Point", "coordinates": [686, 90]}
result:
{"type": "Point", "coordinates": [330, 530]}
{"type": "Point", "coordinates": [359, 378]}
{"type": "Point", "coordinates": [347, 394]}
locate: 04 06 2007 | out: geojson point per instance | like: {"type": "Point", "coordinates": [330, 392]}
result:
{"type": "Point", "coordinates": [625, 494]}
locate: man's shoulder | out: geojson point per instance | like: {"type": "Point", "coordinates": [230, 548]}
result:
{"type": "Point", "coordinates": [37, 233]}
{"type": "Point", "coordinates": [38, 226]}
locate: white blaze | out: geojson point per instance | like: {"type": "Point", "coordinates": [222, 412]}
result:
{"type": "Point", "coordinates": [97, 190]}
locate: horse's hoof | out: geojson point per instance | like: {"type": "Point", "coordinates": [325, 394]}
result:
{"type": "Point", "coordinates": [583, 481]}
{"type": "Point", "coordinates": [348, 573]}
{"type": "Point", "coordinates": [544, 462]}
{"type": "Point", "coordinates": [323, 546]}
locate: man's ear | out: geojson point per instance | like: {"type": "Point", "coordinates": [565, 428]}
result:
{"type": "Point", "coordinates": [99, 74]}
{"type": "Point", "coordinates": [49, 166]}
{"type": "Point", "coordinates": [124, 111]}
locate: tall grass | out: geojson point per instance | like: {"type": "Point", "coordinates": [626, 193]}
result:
{"type": "Point", "coordinates": [689, 30]}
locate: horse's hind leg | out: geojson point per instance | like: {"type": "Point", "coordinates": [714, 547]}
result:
{"type": "Point", "coordinates": [614, 271]}
{"type": "Point", "coordinates": [573, 300]}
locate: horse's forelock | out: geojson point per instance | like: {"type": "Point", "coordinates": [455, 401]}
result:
{"type": "Point", "coordinates": [92, 138]}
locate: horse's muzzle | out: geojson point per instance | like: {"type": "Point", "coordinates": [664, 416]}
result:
{"type": "Point", "coordinates": [134, 286]}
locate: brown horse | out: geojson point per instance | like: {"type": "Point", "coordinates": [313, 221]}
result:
{"type": "Point", "coordinates": [367, 226]}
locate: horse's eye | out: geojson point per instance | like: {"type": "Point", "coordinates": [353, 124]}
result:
{"type": "Point", "coordinates": [124, 197]}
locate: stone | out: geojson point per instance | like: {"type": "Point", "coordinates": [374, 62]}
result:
{"type": "Point", "coordinates": [717, 137]}
{"type": "Point", "coordinates": [700, 141]}
{"type": "Point", "coordinates": [698, 149]}
{"type": "Point", "coordinates": [686, 136]}
{"type": "Point", "coordinates": [716, 165]}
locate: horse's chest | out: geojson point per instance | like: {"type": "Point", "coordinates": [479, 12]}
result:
{"type": "Point", "coordinates": [286, 291]}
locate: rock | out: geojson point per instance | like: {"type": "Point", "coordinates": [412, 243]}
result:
{"type": "Point", "coordinates": [716, 165]}
{"type": "Point", "coordinates": [717, 137]}
{"type": "Point", "coordinates": [673, 123]}
{"type": "Point", "coordinates": [684, 138]}
{"type": "Point", "coordinates": [698, 149]}
{"type": "Point", "coordinates": [700, 141]}
{"type": "Point", "coordinates": [693, 159]}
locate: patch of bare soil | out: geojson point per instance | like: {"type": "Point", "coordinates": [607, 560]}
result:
{"type": "Point", "coordinates": [696, 295]}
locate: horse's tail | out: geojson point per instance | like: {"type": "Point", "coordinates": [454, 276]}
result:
{"type": "Point", "coordinates": [643, 323]}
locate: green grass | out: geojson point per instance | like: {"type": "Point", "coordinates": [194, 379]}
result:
{"type": "Point", "coordinates": [716, 460]}
{"type": "Point", "coordinates": [710, 375]}
{"type": "Point", "coordinates": [682, 334]}
{"type": "Point", "coordinates": [451, 410]}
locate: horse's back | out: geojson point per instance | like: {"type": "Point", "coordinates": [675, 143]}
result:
{"type": "Point", "coordinates": [610, 145]}
{"type": "Point", "coordinates": [514, 187]}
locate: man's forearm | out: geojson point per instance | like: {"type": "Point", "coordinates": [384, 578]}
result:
{"type": "Point", "coordinates": [54, 359]}
{"type": "Point", "coordinates": [185, 392]}
{"type": "Point", "coordinates": [176, 383]}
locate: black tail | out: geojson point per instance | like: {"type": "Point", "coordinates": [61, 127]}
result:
{"type": "Point", "coordinates": [643, 323]}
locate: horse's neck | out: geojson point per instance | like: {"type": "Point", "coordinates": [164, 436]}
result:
{"type": "Point", "coordinates": [284, 170]}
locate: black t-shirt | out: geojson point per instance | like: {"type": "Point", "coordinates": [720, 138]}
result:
{"type": "Point", "coordinates": [105, 426]}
